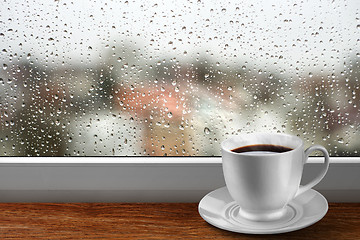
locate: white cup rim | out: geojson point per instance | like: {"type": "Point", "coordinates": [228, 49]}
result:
{"type": "Point", "coordinates": [297, 140]}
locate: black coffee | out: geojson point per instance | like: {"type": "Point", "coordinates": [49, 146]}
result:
{"type": "Point", "coordinates": [262, 148]}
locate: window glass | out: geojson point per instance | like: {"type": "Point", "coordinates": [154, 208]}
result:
{"type": "Point", "coordinates": [175, 78]}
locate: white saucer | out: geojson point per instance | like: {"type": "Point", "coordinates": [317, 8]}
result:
{"type": "Point", "coordinates": [220, 210]}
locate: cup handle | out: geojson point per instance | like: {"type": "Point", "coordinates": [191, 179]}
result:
{"type": "Point", "coordinates": [325, 167]}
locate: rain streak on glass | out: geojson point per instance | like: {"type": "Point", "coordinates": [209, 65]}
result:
{"type": "Point", "coordinates": [98, 78]}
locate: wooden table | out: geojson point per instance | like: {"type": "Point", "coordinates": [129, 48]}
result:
{"type": "Point", "coordinates": [149, 221]}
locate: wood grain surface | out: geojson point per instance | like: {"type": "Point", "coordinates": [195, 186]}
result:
{"type": "Point", "coordinates": [149, 221]}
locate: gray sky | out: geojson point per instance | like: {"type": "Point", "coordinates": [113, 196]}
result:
{"type": "Point", "coordinates": [280, 35]}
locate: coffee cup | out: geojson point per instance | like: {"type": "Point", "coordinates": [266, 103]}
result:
{"type": "Point", "coordinates": [263, 171]}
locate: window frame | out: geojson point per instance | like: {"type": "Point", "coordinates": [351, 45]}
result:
{"type": "Point", "coordinates": [145, 179]}
{"type": "Point", "coordinates": [134, 179]}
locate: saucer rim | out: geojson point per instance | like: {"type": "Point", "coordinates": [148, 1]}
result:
{"type": "Point", "coordinates": [280, 230]}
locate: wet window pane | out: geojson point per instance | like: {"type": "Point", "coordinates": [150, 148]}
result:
{"type": "Point", "coordinates": [141, 78]}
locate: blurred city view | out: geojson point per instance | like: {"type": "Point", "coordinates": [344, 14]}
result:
{"type": "Point", "coordinates": [151, 92]}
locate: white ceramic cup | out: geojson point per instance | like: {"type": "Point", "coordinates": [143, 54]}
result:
{"type": "Point", "coordinates": [263, 183]}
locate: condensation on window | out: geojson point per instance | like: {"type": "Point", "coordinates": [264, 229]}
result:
{"type": "Point", "coordinates": [175, 78]}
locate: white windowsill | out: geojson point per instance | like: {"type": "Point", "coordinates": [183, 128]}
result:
{"type": "Point", "coordinates": [145, 179]}
{"type": "Point", "coordinates": [143, 160]}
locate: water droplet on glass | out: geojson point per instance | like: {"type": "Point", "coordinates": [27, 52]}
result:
{"type": "Point", "coordinates": [207, 130]}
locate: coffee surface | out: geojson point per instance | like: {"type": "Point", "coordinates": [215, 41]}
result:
{"type": "Point", "coordinates": [262, 148]}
